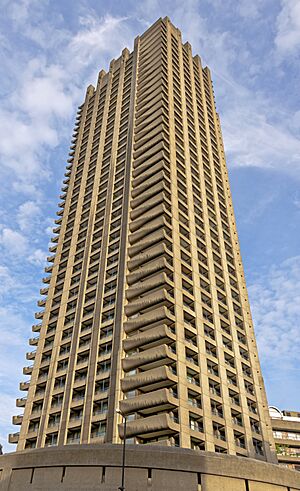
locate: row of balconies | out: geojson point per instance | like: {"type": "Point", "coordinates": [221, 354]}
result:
{"type": "Point", "coordinates": [148, 304]}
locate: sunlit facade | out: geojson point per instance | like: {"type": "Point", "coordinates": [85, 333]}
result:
{"type": "Point", "coordinates": [145, 305]}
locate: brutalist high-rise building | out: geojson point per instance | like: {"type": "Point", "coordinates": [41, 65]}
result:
{"type": "Point", "coordinates": [145, 307]}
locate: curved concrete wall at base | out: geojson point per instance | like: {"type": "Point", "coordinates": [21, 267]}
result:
{"type": "Point", "coordinates": [151, 468]}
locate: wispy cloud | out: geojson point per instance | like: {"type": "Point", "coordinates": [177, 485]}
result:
{"type": "Point", "coordinates": [13, 242]}
{"type": "Point", "coordinates": [287, 39]}
{"type": "Point", "coordinates": [275, 301]}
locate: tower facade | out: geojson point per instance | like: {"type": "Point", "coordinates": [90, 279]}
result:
{"type": "Point", "coordinates": [145, 306]}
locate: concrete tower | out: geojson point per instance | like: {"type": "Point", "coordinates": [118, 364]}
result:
{"type": "Point", "coordinates": [145, 306]}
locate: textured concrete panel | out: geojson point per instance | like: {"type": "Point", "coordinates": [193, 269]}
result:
{"type": "Point", "coordinates": [19, 478]}
{"type": "Point", "coordinates": [89, 477]}
{"type": "Point", "coordinates": [262, 486]}
{"type": "Point", "coordinates": [171, 480]}
{"type": "Point", "coordinates": [135, 479]}
{"type": "Point", "coordinates": [214, 483]}
{"type": "Point", "coordinates": [47, 478]}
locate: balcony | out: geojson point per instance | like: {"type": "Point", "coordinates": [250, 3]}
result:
{"type": "Point", "coordinates": [150, 402]}
{"type": "Point", "coordinates": [152, 379]}
{"type": "Point", "coordinates": [152, 191]}
{"type": "Point", "coordinates": [160, 314]}
{"type": "Point", "coordinates": [34, 341]}
{"type": "Point", "coordinates": [153, 252]}
{"type": "Point", "coordinates": [148, 217]}
{"type": "Point", "coordinates": [41, 303]}
{"type": "Point", "coordinates": [21, 402]}
{"type": "Point", "coordinates": [150, 358]}
{"type": "Point", "coordinates": [157, 335]}
{"type": "Point", "coordinates": [148, 205]}
{"type": "Point", "coordinates": [44, 291]}
{"type": "Point", "coordinates": [158, 266]}
{"type": "Point", "coordinates": [144, 286]}
{"type": "Point", "coordinates": [153, 298]}
{"type": "Point", "coordinates": [31, 355]}
{"type": "Point", "coordinates": [13, 437]}
{"type": "Point", "coordinates": [17, 420]}
{"type": "Point", "coordinates": [150, 182]}
{"type": "Point", "coordinates": [24, 385]}
{"type": "Point", "coordinates": [46, 279]}
{"type": "Point", "coordinates": [39, 315]}
{"type": "Point", "coordinates": [28, 370]}
{"type": "Point", "coordinates": [36, 327]}
{"type": "Point", "coordinates": [158, 424]}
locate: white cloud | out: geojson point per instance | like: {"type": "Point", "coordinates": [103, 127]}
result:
{"type": "Point", "coordinates": [287, 39]}
{"type": "Point", "coordinates": [37, 115]}
{"type": "Point", "coordinates": [38, 257]}
{"type": "Point", "coordinates": [7, 283]}
{"type": "Point", "coordinates": [14, 243]}
{"type": "Point", "coordinates": [27, 216]}
{"type": "Point", "coordinates": [97, 36]}
{"type": "Point", "coordinates": [275, 305]}
{"type": "Point", "coordinates": [253, 137]}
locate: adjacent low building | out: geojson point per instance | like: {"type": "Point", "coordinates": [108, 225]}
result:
{"type": "Point", "coordinates": [286, 432]}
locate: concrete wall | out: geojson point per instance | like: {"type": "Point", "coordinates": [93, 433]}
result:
{"type": "Point", "coordinates": [148, 468]}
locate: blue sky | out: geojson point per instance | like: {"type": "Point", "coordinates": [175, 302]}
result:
{"type": "Point", "coordinates": [50, 51]}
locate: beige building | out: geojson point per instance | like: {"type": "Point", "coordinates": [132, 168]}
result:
{"type": "Point", "coordinates": [145, 305]}
{"type": "Point", "coordinates": [286, 433]}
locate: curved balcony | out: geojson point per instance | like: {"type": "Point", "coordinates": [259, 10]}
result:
{"type": "Point", "coordinates": [150, 379]}
{"type": "Point", "coordinates": [153, 252]}
{"type": "Point", "coordinates": [148, 193]}
{"type": "Point", "coordinates": [159, 400]}
{"type": "Point", "coordinates": [21, 402]}
{"type": "Point", "coordinates": [147, 217]}
{"type": "Point", "coordinates": [157, 424]}
{"type": "Point", "coordinates": [36, 327]}
{"type": "Point", "coordinates": [56, 230]}
{"type": "Point", "coordinates": [148, 184]}
{"type": "Point", "coordinates": [31, 355]}
{"type": "Point", "coordinates": [51, 259]}
{"type": "Point", "coordinates": [147, 285]}
{"type": "Point", "coordinates": [14, 437]}
{"type": "Point", "coordinates": [17, 420]}
{"type": "Point", "coordinates": [34, 341]}
{"type": "Point", "coordinates": [24, 385]}
{"type": "Point", "coordinates": [148, 158]}
{"type": "Point", "coordinates": [39, 315]}
{"type": "Point", "coordinates": [28, 370]}
{"type": "Point", "coordinates": [161, 314]}
{"type": "Point", "coordinates": [150, 358]}
{"type": "Point", "coordinates": [44, 291]}
{"type": "Point", "coordinates": [147, 206]}
{"type": "Point", "coordinates": [141, 303]}
{"type": "Point", "coordinates": [160, 334]}
{"type": "Point", "coordinates": [160, 264]}
{"type": "Point", "coordinates": [159, 222]}
{"type": "Point", "coordinates": [41, 303]}
{"type": "Point", "coordinates": [157, 236]}
{"type": "Point", "coordinates": [157, 168]}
